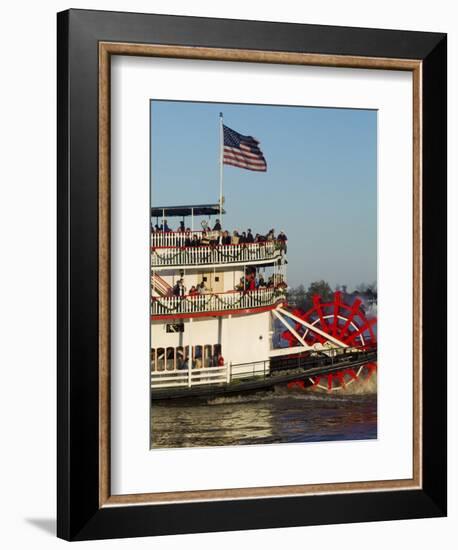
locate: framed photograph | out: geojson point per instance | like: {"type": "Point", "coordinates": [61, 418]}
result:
{"type": "Point", "coordinates": [252, 275]}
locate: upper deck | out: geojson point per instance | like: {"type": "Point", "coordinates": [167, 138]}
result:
{"type": "Point", "coordinates": [211, 246]}
{"type": "Point", "coordinates": [173, 250]}
{"type": "Point", "coordinates": [217, 303]}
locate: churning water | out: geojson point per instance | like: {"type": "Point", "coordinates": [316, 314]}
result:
{"type": "Point", "coordinates": [282, 416]}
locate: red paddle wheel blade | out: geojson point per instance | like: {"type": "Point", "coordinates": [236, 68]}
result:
{"type": "Point", "coordinates": [347, 322]}
{"type": "Point", "coordinates": [344, 378]}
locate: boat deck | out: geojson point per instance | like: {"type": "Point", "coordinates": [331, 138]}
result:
{"type": "Point", "coordinates": [278, 375]}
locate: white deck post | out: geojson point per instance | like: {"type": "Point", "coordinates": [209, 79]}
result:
{"type": "Point", "coordinates": [226, 351]}
{"type": "Point", "coordinates": [190, 355]}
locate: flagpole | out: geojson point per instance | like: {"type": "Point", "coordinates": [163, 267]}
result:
{"type": "Point", "coordinates": [221, 163]}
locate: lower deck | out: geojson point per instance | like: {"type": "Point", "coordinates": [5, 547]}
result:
{"type": "Point", "coordinates": [209, 342]}
{"type": "Point", "coordinates": [248, 377]}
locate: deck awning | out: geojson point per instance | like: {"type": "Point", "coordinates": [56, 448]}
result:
{"type": "Point", "coordinates": [180, 211]}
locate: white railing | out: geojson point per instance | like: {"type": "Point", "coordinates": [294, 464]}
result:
{"type": "Point", "coordinates": [249, 370]}
{"type": "Point", "coordinates": [173, 238]}
{"type": "Point", "coordinates": [189, 377]}
{"type": "Point", "coordinates": [218, 254]}
{"type": "Point", "coordinates": [223, 301]}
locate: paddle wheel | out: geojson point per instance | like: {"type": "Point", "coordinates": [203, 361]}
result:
{"type": "Point", "coordinates": [341, 326]}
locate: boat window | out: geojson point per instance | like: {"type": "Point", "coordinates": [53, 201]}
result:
{"type": "Point", "coordinates": [207, 356]}
{"type": "Point", "coordinates": [170, 358]}
{"type": "Point", "coordinates": [160, 359]}
{"type": "Point", "coordinates": [180, 357]}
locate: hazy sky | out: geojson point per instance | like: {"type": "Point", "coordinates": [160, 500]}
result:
{"type": "Point", "coordinates": [320, 187]}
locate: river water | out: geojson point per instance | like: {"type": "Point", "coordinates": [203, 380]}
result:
{"type": "Point", "coordinates": [284, 416]}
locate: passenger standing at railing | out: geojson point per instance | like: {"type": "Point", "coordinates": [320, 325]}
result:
{"type": "Point", "coordinates": [226, 238]}
{"type": "Point", "coordinates": [281, 287]}
{"type": "Point", "coordinates": [282, 238]}
{"type": "Point", "coordinates": [182, 288]}
{"type": "Point", "coordinates": [204, 241]}
{"type": "Point", "coordinates": [179, 289]}
{"type": "Point", "coordinates": [201, 288]}
{"type": "Point", "coordinates": [261, 282]}
{"type": "Point", "coordinates": [235, 239]}
{"type": "Point", "coordinates": [187, 238]}
{"type": "Point", "coordinates": [217, 226]}
{"type": "Point", "coordinates": [165, 227]}
{"type": "Point", "coordinates": [262, 247]}
{"type": "Point", "coordinates": [251, 282]}
{"type": "Point", "coordinates": [213, 237]}
{"type": "Point", "coordinates": [252, 250]}
{"type": "Point", "coordinates": [181, 229]}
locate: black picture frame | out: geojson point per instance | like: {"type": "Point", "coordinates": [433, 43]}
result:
{"type": "Point", "coordinates": [80, 516]}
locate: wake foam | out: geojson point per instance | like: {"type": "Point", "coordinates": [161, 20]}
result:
{"type": "Point", "coordinates": [357, 388]}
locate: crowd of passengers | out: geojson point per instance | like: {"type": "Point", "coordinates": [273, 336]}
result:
{"type": "Point", "coordinates": [218, 236]}
{"type": "Point", "coordinates": [216, 360]}
{"type": "Point", "coordinates": [247, 283]}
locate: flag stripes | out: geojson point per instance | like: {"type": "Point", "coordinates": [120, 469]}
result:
{"type": "Point", "coordinates": [242, 151]}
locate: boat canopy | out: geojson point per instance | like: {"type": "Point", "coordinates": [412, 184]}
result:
{"type": "Point", "coordinates": [181, 211]}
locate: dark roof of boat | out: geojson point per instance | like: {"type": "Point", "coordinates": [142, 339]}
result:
{"type": "Point", "coordinates": [186, 210]}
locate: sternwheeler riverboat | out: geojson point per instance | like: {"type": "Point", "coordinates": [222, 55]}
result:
{"type": "Point", "coordinates": [221, 323]}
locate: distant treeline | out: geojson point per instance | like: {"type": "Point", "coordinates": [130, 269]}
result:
{"type": "Point", "coordinates": [302, 298]}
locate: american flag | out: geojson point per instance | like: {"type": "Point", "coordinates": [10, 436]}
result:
{"type": "Point", "coordinates": [242, 151]}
